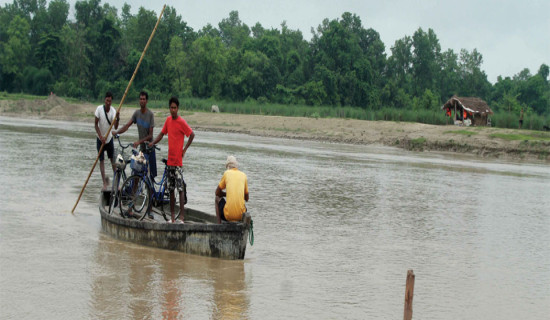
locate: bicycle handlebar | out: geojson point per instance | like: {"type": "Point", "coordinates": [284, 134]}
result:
{"type": "Point", "coordinates": [149, 149]}
{"type": "Point", "coordinates": [117, 136]}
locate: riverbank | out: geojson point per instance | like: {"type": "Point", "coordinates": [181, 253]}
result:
{"type": "Point", "coordinates": [521, 145]}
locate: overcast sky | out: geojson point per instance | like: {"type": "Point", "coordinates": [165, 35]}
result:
{"type": "Point", "coordinates": [510, 34]}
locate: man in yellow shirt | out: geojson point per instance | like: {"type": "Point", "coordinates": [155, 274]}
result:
{"type": "Point", "coordinates": [230, 205]}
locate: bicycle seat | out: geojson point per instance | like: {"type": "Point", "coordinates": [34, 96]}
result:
{"type": "Point", "coordinates": [164, 161]}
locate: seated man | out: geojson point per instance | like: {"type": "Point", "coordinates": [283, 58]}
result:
{"type": "Point", "coordinates": [230, 205]}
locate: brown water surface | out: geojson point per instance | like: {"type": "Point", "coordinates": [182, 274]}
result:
{"type": "Point", "coordinates": [336, 229]}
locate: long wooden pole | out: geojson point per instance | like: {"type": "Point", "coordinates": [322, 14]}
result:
{"type": "Point", "coordinates": [119, 107]}
{"type": "Point", "coordinates": [409, 293]}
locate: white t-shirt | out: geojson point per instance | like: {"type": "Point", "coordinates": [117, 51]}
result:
{"type": "Point", "coordinates": [103, 124]}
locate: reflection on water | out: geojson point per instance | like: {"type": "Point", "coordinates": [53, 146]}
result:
{"type": "Point", "coordinates": [140, 282]}
{"type": "Point", "coordinates": [336, 228]}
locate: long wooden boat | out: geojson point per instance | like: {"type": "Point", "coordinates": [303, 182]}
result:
{"type": "Point", "coordinates": [201, 234]}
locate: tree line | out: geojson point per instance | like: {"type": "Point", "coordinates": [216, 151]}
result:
{"type": "Point", "coordinates": [344, 63]}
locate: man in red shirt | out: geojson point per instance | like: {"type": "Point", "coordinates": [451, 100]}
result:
{"type": "Point", "coordinates": [177, 129]}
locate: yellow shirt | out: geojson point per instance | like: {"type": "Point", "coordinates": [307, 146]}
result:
{"type": "Point", "coordinates": [236, 185]}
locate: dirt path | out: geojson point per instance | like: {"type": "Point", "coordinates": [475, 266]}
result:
{"type": "Point", "coordinates": [411, 136]}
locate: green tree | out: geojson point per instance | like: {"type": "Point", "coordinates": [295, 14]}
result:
{"type": "Point", "coordinates": [58, 11]}
{"type": "Point", "coordinates": [425, 58]}
{"type": "Point", "coordinates": [503, 87]}
{"type": "Point", "coordinates": [473, 80]}
{"type": "Point", "coordinates": [427, 101]}
{"type": "Point", "coordinates": [258, 77]}
{"type": "Point", "coordinates": [37, 81]}
{"type": "Point", "coordinates": [400, 63]}
{"type": "Point", "coordinates": [448, 84]}
{"type": "Point", "coordinates": [208, 30]}
{"type": "Point", "coordinates": [511, 103]}
{"type": "Point", "coordinates": [233, 32]}
{"type": "Point", "coordinates": [257, 31]}
{"type": "Point", "coordinates": [313, 93]}
{"type": "Point", "coordinates": [99, 50]}
{"type": "Point", "coordinates": [78, 64]}
{"type": "Point", "coordinates": [49, 51]}
{"type": "Point", "coordinates": [15, 54]}
{"type": "Point", "coordinates": [296, 54]}
{"type": "Point", "coordinates": [354, 56]}
{"type": "Point", "coordinates": [175, 65]}
{"type": "Point", "coordinates": [544, 70]}
{"type": "Point", "coordinates": [207, 65]}
{"type": "Point", "coordinates": [532, 94]}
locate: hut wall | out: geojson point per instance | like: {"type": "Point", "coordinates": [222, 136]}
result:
{"type": "Point", "coordinates": [479, 120]}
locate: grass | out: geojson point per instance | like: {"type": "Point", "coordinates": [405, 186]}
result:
{"type": "Point", "coordinates": [463, 132]}
{"type": "Point", "coordinates": [522, 137]}
{"type": "Point", "coordinates": [418, 143]}
{"type": "Point", "coordinates": [20, 96]}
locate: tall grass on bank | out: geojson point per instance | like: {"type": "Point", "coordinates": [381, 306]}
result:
{"type": "Point", "coordinates": [20, 96]}
{"type": "Point", "coordinates": [436, 117]}
{"type": "Point", "coordinates": [387, 114]}
{"type": "Point", "coordinates": [510, 120]}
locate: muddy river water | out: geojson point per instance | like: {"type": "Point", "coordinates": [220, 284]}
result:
{"type": "Point", "coordinates": [336, 228]}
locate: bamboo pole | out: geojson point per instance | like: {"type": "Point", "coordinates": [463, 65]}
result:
{"type": "Point", "coordinates": [409, 292]}
{"type": "Point", "coordinates": [120, 106]}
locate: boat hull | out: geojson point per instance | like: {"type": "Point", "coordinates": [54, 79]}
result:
{"type": "Point", "coordinates": [199, 235]}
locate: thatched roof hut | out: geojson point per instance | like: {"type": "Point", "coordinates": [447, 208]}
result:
{"type": "Point", "coordinates": [472, 108]}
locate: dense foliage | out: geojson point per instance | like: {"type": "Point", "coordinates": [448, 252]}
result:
{"type": "Point", "coordinates": [344, 64]}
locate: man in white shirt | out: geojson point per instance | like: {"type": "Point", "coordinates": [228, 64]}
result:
{"type": "Point", "coordinates": [104, 116]}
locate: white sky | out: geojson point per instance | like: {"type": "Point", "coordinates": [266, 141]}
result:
{"type": "Point", "coordinates": [510, 34]}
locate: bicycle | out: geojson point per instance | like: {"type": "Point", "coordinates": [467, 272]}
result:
{"type": "Point", "coordinates": [119, 175]}
{"type": "Point", "coordinates": [136, 196]}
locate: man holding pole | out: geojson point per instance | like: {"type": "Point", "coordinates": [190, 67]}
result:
{"type": "Point", "coordinates": [104, 117]}
{"type": "Point", "coordinates": [177, 129]}
{"type": "Point", "coordinates": [121, 101]}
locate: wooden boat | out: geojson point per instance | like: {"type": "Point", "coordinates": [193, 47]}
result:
{"type": "Point", "coordinates": [201, 234]}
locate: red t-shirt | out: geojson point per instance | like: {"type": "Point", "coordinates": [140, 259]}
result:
{"type": "Point", "coordinates": [176, 130]}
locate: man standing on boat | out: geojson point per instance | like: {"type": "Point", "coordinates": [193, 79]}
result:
{"type": "Point", "coordinates": [104, 116]}
{"type": "Point", "coordinates": [230, 205]}
{"type": "Point", "coordinates": [145, 120]}
{"type": "Point", "coordinates": [177, 129]}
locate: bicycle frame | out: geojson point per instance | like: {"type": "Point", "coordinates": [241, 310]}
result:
{"type": "Point", "coordinates": [156, 196]}
{"type": "Point", "coordinates": [119, 176]}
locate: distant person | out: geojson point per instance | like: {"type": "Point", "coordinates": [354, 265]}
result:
{"type": "Point", "coordinates": [521, 118]}
{"type": "Point", "coordinates": [104, 116]}
{"type": "Point", "coordinates": [230, 204]}
{"type": "Point", "coordinates": [145, 120]}
{"type": "Point", "coordinates": [177, 129]}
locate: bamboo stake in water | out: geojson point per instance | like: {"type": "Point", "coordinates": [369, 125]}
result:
{"type": "Point", "coordinates": [409, 292]}
{"type": "Point", "coordinates": [119, 107]}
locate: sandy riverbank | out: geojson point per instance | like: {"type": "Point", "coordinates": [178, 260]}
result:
{"type": "Point", "coordinates": [411, 136]}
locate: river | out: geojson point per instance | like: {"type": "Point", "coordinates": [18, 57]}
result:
{"type": "Point", "coordinates": [336, 228]}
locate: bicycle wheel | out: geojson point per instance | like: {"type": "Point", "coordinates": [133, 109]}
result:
{"type": "Point", "coordinates": [166, 212]}
{"type": "Point", "coordinates": [135, 197]}
{"type": "Point", "coordinates": [163, 202]}
{"type": "Point", "coordinates": [118, 178]}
